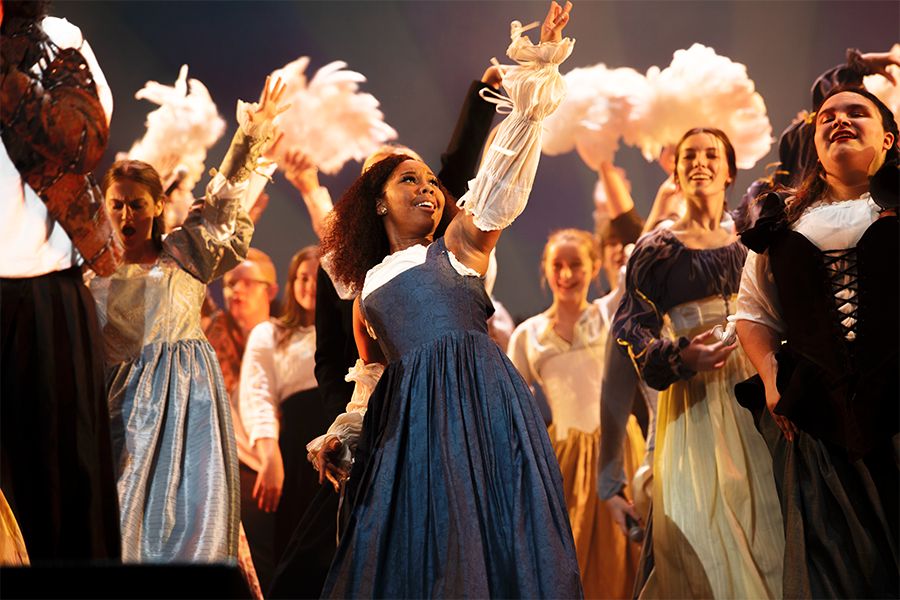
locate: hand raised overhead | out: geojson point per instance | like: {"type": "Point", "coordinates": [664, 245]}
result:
{"type": "Point", "coordinates": [551, 30]}
{"type": "Point", "coordinates": [268, 107]}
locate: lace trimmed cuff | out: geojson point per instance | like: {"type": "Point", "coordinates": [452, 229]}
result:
{"type": "Point", "coordinates": [348, 425]}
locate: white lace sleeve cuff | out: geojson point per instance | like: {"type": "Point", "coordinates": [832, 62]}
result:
{"type": "Point", "coordinates": [347, 426]}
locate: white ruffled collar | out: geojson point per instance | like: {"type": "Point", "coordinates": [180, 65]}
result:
{"type": "Point", "coordinates": [839, 204]}
{"type": "Point", "coordinates": [397, 262]}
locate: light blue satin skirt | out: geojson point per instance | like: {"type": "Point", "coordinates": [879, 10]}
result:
{"type": "Point", "coordinates": [176, 459]}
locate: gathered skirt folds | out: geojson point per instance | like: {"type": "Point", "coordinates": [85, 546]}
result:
{"type": "Point", "coordinates": [13, 552]}
{"type": "Point", "coordinates": [173, 442]}
{"type": "Point", "coordinates": [840, 517]}
{"type": "Point", "coordinates": [607, 559]}
{"type": "Point", "coordinates": [456, 491]}
{"type": "Point", "coordinates": [717, 527]}
{"type": "Point", "coordinates": [56, 466]}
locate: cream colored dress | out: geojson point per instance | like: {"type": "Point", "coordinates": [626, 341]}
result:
{"type": "Point", "coordinates": [717, 526]}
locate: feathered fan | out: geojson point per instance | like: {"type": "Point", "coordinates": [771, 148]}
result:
{"type": "Point", "coordinates": [702, 89]}
{"type": "Point", "coordinates": [602, 105]}
{"type": "Point", "coordinates": [330, 119]}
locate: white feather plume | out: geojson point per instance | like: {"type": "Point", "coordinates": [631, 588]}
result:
{"type": "Point", "coordinates": [330, 119]}
{"type": "Point", "coordinates": [181, 130]}
{"type": "Point", "coordinates": [702, 89]}
{"type": "Point", "coordinates": [884, 90]}
{"type": "Point", "coordinates": [602, 106]}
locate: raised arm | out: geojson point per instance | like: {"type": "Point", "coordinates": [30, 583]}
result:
{"type": "Point", "coordinates": [216, 235]}
{"type": "Point", "coordinates": [303, 175]}
{"type": "Point", "coordinates": [624, 221]}
{"type": "Point", "coordinates": [499, 192]}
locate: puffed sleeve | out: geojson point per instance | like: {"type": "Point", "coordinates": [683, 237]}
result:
{"type": "Point", "coordinates": [215, 237]}
{"type": "Point", "coordinates": [639, 319]}
{"type": "Point", "coordinates": [499, 192]}
{"type": "Point", "coordinates": [259, 384]}
{"type": "Point", "coordinates": [757, 299]}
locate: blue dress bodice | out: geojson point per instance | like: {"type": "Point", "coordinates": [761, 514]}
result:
{"type": "Point", "coordinates": [424, 303]}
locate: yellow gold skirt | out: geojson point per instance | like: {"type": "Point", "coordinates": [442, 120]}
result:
{"type": "Point", "coordinates": [12, 546]}
{"type": "Point", "coordinates": [607, 559]}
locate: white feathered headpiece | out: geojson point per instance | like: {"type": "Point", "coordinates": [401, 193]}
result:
{"type": "Point", "coordinates": [602, 105]}
{"type": "Point", "coordinates": [702, 89]}
{"type": "Point", "coordinates": [884, 90]}
{"type": "Point", "coordinates": [181, 130]}
{"type": "Point", "coordinates": [329, 119]}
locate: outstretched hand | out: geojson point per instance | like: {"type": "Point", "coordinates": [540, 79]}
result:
{"type": "Point", "coordinates": [268, 107]}
{"type": "Point", "coordinates": [879, 61]}
{"type": "Point", "coordinates": [697, 356]}
{"type": "Point", "coordinates": [300, 171]}
{"type": "Point", "coordinates": [551, 30]}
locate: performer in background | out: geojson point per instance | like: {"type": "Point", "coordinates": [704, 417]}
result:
{"type": "Point", "coordinates": [563, 349]}
{"type": "Point", "coordinates": [716, 525]}
{"type": "Point", "coordinates": [56, 466]}
{"type": "Point", "coordinates": [281, 407]}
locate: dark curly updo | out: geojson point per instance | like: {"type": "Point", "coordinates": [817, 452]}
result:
{"type": "Point", "coordinates": [355, 239]}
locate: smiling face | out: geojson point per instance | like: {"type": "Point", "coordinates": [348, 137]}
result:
{"type": "Point", "coordinates": [569, 269]}
{"type": "Point", "coordinates": [305, 284]}
{"type": "Point", "coordinates": [132, 209]}
{"type": "Point", "coordinates": [850, 138]}
{"type": "Point", "coordinates": [702, 166]}
{"type": "Point", "coordinates": [412, 202]}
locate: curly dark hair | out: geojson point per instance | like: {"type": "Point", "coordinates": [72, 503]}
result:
{"type": "Point", "coordinates": [355, 239]}
{"type": "Point", "coordinates": [814, 186]}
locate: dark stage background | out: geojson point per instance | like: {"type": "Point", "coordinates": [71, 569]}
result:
{"type": "Point", "coordinates": [419, 58]}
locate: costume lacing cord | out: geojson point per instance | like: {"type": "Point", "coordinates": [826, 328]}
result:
{"type": "Point", "coordinates": [841, 267]}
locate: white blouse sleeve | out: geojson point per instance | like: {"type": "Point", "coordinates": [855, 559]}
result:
{"type": "Point", "coordinates": [518, 352]}
{"type": "Point", "coordinates": [757, 299]}
{"type": "Point", "coordinates": [259, 400]}
{"type": "Point", "coordinates": [499, 192]}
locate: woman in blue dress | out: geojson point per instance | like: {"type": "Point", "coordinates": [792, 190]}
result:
{"type": "Point", "coordinates": [455, 490]}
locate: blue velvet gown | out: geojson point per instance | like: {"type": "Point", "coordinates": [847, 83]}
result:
{"type": "Point", "coordinates": [456, 491]}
